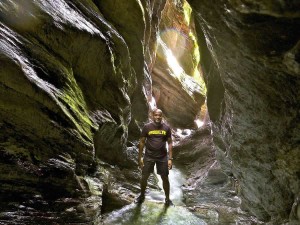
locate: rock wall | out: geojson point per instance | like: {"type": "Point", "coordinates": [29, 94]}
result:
{"type": "Point", "coordinates": [176, 78]}
{"type": "Point", "coordinates": [75, 81]}
{"type": "Point", "coordinates": [251, 62]}
{"type": "Point", "coordinates": [208, 192]}
{"type": "Point", "coordinates": [72, 82]}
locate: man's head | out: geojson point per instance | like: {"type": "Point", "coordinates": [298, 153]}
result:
{"type": "Point", "coordinates": [157, 116]}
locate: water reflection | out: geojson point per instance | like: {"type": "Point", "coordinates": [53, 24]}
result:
{"type": "Point", "coordinates": [153, 211]}
{"type": "Point", "coordinates": [177, 179]}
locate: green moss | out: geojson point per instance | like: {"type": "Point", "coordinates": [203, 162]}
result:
{"type": "Point", "coordinates": [74, 106]}
{"type": "Point", "coordinates": [95, 187]}
{"type": "Point", "coordinates": [64, 96]}
{"type": "Point", "coordinates": [16, 151]}
{"type": "Point", "coordinates": [66, 92]}
{"type": "Point", "coordinates": [196, 51]}
{"type": "Point", "coordinates": [187, 10]}
{"type": "Point", "coordinates": [195, 73]}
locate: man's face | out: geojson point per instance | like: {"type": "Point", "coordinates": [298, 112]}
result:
{"type": "Point", "coordinates": [157, 116]}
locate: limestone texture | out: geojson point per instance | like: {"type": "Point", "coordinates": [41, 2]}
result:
{"type": "Point", "coordinates": [176, 78]}
{"type": "Point", "coordinates": [72, 81]}
{"type": "Point", "coordinates": [76, 79]}
{"type": "Point", "coordinates": [251, 68]}
{"type": "Point", "coordinates": [208, 192]}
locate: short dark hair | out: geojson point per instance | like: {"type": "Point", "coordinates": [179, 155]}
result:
{"type": "Point", "coordinates": [157, 110]}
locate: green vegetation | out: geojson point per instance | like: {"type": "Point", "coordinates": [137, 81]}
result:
{"type": "Point", "coordinates": [75, 108]}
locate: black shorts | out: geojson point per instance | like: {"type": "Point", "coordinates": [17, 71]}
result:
{"type": "Point", "coordinates": [161, 166]}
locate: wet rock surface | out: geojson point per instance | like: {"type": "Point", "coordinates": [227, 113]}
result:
{"type": "Point", "coordinates": [176, 87]}
{"type": "Point", "coordinates": [153, 210]}
{"type": "Point", "coordinates": [201, 192]}
{"type": "Point", "coordinates": [253, 98]}
{"type": "Point", "coordinates": [71, 83]}
{"type": "Point", "coordinates": [208, 192]}
{"type": "Point", "coordinates": [74, 87]}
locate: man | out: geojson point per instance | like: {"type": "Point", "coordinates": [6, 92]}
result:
{"type": "Point", "coordinates": [154, 136]}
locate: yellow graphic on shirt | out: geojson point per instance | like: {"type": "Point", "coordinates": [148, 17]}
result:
{"type": "Point", "coordinates": [163, 132]}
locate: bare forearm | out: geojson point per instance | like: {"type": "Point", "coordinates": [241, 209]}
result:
{"type": "Point", "coordinates": [170, 147]}
{"type": "Point", "coordinates": [141, 148]}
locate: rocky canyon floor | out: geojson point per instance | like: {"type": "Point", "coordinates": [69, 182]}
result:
{"type": "Point", "coordinates": [216, 204]}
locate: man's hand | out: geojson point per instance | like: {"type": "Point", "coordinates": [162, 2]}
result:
{"type": "Point", "coordinates": [141, 163]}
{"type": "Point", "coordinates": [170, 149]}
{"type": "Point", "coordinates": [169, 164]}
{"type": "Point", "coordinates": [141, 149]}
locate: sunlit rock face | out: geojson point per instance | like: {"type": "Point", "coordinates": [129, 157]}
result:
{"type": "Point", "coordinates": [71, 79]}
{"type": "Point", "coordinates": [252, 74]}
{"type": "Point", "coordinates": [208, 192]}
{"type": "Point", "coordinates": [176, 86]}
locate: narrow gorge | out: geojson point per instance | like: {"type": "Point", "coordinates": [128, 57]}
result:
{"type": "Point", "coordinates": [79, 78]}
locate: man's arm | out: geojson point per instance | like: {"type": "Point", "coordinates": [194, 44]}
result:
{"type": "Point", "coordinates": [170, 148]}
{"type": "Point", "coordinates": [141, 150]}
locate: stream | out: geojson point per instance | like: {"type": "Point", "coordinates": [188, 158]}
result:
{"type": "Point", "coordinates": [153, 211]}
{"type": "Point", "coordinates": [213, 203]}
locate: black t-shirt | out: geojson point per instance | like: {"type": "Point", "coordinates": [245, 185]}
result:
{"type": "Point", "coordinates": [156, 138]}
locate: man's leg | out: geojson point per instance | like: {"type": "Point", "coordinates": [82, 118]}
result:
{"type": "Point", "coordinates": [144, 179]}
{"type": "Point", "coordinates": [144, 183]}
{"type": "Point", "coordinates": [166, 186]}
{"type": "Point", "coordinates": [146, 171]}
{"type": "Point", "coordinates": [163, 171]}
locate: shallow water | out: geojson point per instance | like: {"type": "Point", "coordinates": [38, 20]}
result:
{"type": "Point", "coordinates": [153, 211]}
{"type": "Point", "coordinates": [211, 204]}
